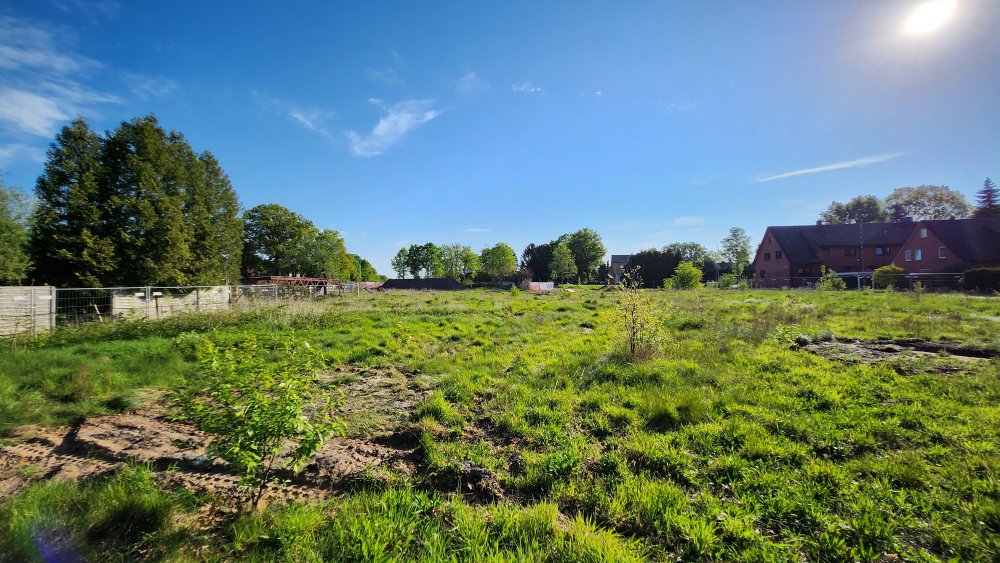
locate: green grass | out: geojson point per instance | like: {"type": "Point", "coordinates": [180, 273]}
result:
{"type": "Point", "coordinates": [731, 444]}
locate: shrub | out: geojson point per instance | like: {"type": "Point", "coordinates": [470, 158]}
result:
{"type": "Point", "coordinates": [830, 281]}
{"type": "Point", "coordinates": [888, 277]}
{"type": "Point", "coordinates": [732, 281]}
{"type": "Point", "coordinates": [982, 279]}
{"type": "Point", "coordinates": [638, 321]}
{"type": "Point", "coordinates": [253, 405]}
{"type": "Point", "coordinates": [686, 276]}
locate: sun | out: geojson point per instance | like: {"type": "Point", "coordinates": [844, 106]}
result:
{"type": "Point", "coordinates": [929, 17]}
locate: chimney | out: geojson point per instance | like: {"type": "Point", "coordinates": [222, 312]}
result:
{"type": "Point", "coordinates": [819, 221]}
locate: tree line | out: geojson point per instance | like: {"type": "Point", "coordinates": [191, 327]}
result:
{"type": "Point", "coordinates": [138, 206]}
{"type": "Point", "coordinates": [924, 202]}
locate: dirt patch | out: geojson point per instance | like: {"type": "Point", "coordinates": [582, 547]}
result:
{"type": "Point", "coordinates": [382, 399]}
{"type": "Point", "coordinates": [876, 351]}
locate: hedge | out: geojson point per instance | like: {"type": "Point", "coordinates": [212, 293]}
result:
{"type": "Point", "coordinates": [982, 279]}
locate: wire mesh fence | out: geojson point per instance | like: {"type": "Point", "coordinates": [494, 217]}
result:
{"type": "Point", "coordinates": [32, 310]}
{"type": "Point", "coordinates": [927, 280]}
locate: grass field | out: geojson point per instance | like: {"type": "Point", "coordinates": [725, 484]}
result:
{"type": "Point", "coordinates": [735, 442]}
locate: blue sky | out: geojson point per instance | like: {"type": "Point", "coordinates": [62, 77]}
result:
{"type": "Point", "coordinates": [473, 122]}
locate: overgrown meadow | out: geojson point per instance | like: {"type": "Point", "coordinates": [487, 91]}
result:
{"type": "Point", "coordinates": [732, 442]}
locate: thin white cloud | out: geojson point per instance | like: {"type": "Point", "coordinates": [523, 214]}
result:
{"type": "Point", "coordinates": [475, 230]}
{"type": "Point", "coordinates": [40, 74]}
{"type": "Point", "coordinates": [30, 113]}
{"type": "Point", "coordinates": [688, 221]}
{"type": "Point", "coordinates": [681, 106]}
{"type": "Point", "coordinates": [863, 161]}
{"type": "Point", "coordinates": [387, 76]}
{"type": "Point", "coordinates": [527, 88]}
{"type": "Point", "coordinates": [312, 119]}
{"type": "Point", "coordinates": [470, 83]}
{"type": "Point", "coordinates": [148, 87]}
{"type": "Point", "coordinates": [10, 151]}
{"type": "Point", "coordinates": [399, 119]}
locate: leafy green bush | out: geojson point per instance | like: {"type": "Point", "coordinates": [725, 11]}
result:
{"type": "Point", "coordinates": [686, 276]}
{"type": "Point", "coordinates": [254, 403]}
{"type": "Point", "coordinates": [830, 281]}
{"type": "Point", "coordinates": [639, 322]}
{"type": "Point", "coordinates": [732, 281]}
{"type": "Point", "coordinates": [888, 277]}
{"type": "Point", "coordinates": [982, 279]}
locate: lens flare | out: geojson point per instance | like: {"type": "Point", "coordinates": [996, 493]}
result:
{"type": "Point", "coordinates": [929, 17]}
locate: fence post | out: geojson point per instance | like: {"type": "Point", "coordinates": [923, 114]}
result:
{"type": "Point", "coordinates": [148, 293]}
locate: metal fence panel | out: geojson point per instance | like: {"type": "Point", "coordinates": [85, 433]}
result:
{"type": "Point", "coordinates": [26, 310]}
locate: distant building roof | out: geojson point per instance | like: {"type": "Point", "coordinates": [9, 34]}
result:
{"type": "Point", "coordinates": [620, 258]}
{"type": "Point", "coordinates": [972, 240]}
{"type": "Point", "coordinates": [801, 243]}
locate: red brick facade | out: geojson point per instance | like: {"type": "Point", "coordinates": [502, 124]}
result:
{"type": "Point", "coordinates": [925, 252]}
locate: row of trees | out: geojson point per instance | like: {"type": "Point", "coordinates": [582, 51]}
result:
{"type": "Point", "coordinates": [920, 203]}
{"type": "Point", "coordinates": [456, 261]}
{"type": "Point", "coordinates": [551, 261]}
{"type": "Point", "coordinates": [138, 206]}
{"type": "Point", "coordinates": [656, 266]}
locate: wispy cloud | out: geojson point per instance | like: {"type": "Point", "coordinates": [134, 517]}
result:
{"type": "Point", "coordinates": [40, 73]}
{"type": "Point", "coordinates": [30, 113]}
{"type": "Point", "coordinates": [688, 221]}
{"type": "Point", "coordinates": [681, 106]}
{"type": "Point", "coordinates": [475, 230]}
{"type": "Point", "coordinates": [148, 87]}
{"type": "Point", "coordinates": [312, 119]}
{"type": "Point", "coordinates": [399, 119]}
{"type": "Point", "coordinates": [10, 151]}
{"type": "Point", "coordinates": [387, 75]}
{"type": "Point", "coordinates": [857, 162]}
{"type": "Point", "coordinates": [527, 88]}
{"type": "Point", "coordinates": [470, 83]}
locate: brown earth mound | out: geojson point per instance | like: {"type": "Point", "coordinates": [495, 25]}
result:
{"type": "Point", "coordinates": [176, 451]}
{"type": "Point", "coordinates": [874, 351]}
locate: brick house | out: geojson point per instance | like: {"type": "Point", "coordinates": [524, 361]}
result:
{"type": "Point", "coordinates": [952, 245]}
{"type": "Point", "coordinates": [794, 256]}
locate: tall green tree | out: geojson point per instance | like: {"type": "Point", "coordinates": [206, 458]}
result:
{"type": "Point", "coordinates": [498, 261]}
{"type": "Point", "coordinates": [71, 241]}
{"type": "Point", "coordinates": [273, 237]}
{"type": "Point", "coordinates": [688, 252]}
{"type": "Point", "coordinates": [537, 259]}
{"type": "Point", "coordinates": [987, 201]}
{"type": "Point", "coordinates": [736, 249]}
{"type": "Point", "coordinates": [212, 212]}
{"type": "Point", "coordinates": [147, 173]}
{"type": "Point", "coordinates": [399, 263]}
{"type": "Point", "coordinates": [861, 209]}
{"type": "Point", "coordinates": [471, 265]}
{"type": "Point", "coordinates": [14, 259]}
{"type": "Point", "coordinates": [930, 202]}
{"type": "Point", "coordinates": [453, 260]}
{"type": "Point", "coordinates": [322, 254]}
{"type": "Point", "coordinates": [563, 266]}
{"type": "Point", "coordinates": [588, 252]}
{"type": "Point", "coordinates": [364, 270]}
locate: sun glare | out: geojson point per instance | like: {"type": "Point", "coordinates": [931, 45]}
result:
{"type": "Point", "coordinates": [929, 16]}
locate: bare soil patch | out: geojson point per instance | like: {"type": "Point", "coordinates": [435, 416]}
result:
{"type": "Point", "coordinates": [176, 451]}
{"type": "Point", "coordinates": [876, 351]}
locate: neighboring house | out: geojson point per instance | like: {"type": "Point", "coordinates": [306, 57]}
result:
{"type": "Point", "coordinates": [952, 245]}
{"type": "Point", "coordinates": [618, 264]}
{"type": "Point", "coordinates": [794, 256]}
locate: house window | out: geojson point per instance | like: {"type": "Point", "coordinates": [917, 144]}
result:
{"type": "Point", "coordinates": [908, 256]}
{"type": "Point", "coordinates": [767, 256]}
{"type": "Point", "coordinates": [881, 251]}
{"type": "Point", "coordinates": [850, 251]}
{"type": "Point", "coordinates": [804, 271]}
{"type": "Point", "coordinates": [941, 253]}
{"type": "Point", "coordinates": [777, 255]}
{"type": "Point", "coordinates": [826, 251]}
{"type": "Point", "coordinates": [923, 233]}
{"type": "Point", "coordinates": [763, 273]}
{"type": "Point", "coordinates": [919, 256]}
